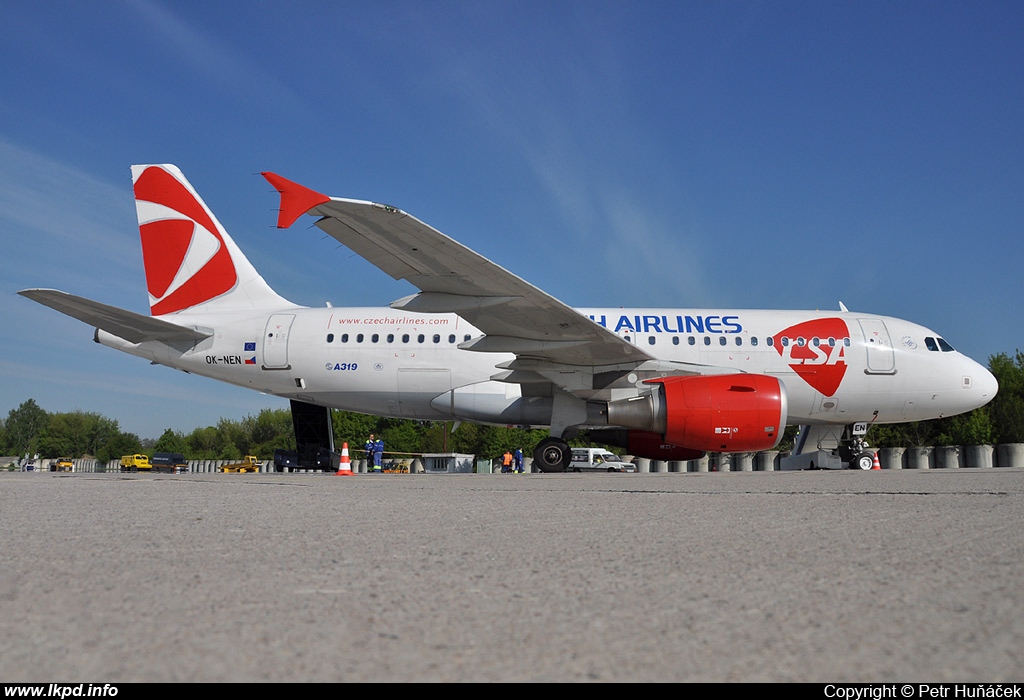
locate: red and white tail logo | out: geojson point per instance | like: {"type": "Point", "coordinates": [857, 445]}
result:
{"type": "Point", "coordinates": [806, 349]}
{"type": "Point", "coordinates": [183, 247]}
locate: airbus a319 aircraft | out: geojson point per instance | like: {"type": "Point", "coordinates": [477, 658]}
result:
{"type": "Point", "coordinates": [478, 343]}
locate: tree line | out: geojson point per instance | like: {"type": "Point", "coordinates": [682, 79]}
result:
{"type": "Point", "coordinates": [29, 429]}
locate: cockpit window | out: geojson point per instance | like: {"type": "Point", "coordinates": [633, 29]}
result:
{"type": "Point", "coordinates": [930, 344]}
{"type": "Point", "coordinates": [946, 347]}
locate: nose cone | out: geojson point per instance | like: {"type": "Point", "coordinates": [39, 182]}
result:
{"type": "Point", "coordinates": [981, 385]}
{"type": "Point", "coordinates": [986, 385]}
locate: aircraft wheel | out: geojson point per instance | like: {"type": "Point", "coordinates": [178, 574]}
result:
{"type": "Point", "coordinates": [552, 455]}
{"type": "Point", "coordinates": [864, 461]}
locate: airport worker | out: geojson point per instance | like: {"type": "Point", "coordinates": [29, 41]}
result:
{"type": "Point", "coordinates": [378, 454]}
{"type": "Point", "coordinates": [368, 452]}
{"type": "Point", "coordinates": [506, 463]}
{"type": "Point", "coordinates": [517, 460]}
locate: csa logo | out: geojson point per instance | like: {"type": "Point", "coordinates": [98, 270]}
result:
{"type": "Point", "coordinates": [184, 255]}
{"type": "Point", "coordinates": [822, 366]}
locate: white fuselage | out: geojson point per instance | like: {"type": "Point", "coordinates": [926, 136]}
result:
{"type": "Point", "coordinates": [836, 367]}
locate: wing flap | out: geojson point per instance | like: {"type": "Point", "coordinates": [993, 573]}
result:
{"type": "Point", "coordinates": [133, 327]}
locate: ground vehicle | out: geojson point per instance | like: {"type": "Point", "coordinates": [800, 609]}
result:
{"type": "Point", "coordinates": [285, 459]}
{"type": "Point", "coordinates": [170, 462]}
{"type": "Point", "coordinates": [135, 463]}
{"type": "Point", "coordinates": [313, 458]}
{"type": "Point", "coordinates": [597, 459]}
{"type": "Point", "coordinates": [249, 464]}
{"type": "Point", "coordinates": [64, 464]}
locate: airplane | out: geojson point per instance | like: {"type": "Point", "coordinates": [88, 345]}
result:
{"type": "Point", "coordinates": [478, 343]}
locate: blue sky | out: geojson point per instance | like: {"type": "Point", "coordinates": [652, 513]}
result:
{"type": "Point", "coordinates": [675, 154]}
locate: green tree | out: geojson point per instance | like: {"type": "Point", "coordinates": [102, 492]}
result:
{"type": "Point", "coordinates": [1007, 408]}
{"type": "Point", "coordinates": [232, 438]}
{"type": "Point", "coordinates": [268, 430]}
{"type": "Point", "coordinates": [401, 437]}
{"type": "Point", "coordinates": [972, 428]}
{"type": "Point", "coordinates": [206, 443]}
{"type": "Point", "coordinates": [353, 428]}
{"type": "Point", "coordinates": [120, 444]}
{"type": "Point", "coordinates": [24, 425]}
{"type": "Point", "coordinates": [171, 441]}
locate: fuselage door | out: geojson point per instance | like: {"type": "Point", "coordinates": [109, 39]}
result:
{"type": "Point", "coordinates": [275, 341]}
{"type": "Point", "coordinates": [881, 358]}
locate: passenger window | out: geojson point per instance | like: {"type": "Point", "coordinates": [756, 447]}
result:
{"type": "Point", "coordinates": [466, 337]}
{"type": "Point", "coordinates": [707, 340]}
{"type": "Point", "coordinates": [421, 339]}
{"type": "Point", "coordinates": [437, 338]}
{"type": "Point", "coordinates": [359, 338]}
{"type": "Point", "coordinates": [374, 338]}
{"type": "Point", "coordinates": [330, 337]}
{"type": "Point", "coordinates": [722, 340]}
{"type": "Point", "coordinates": [739, 341]}
{"type": "Point", "coordinates": [344, 337]}
{"type": "Point", "coordinates": [405, 338]}
{"type": "Point", "coordinates": [675, 340]}
{"type": "Point", "coordinates": [451, 338]}
{"type": "Point", "coordinates": [770, 341]}
{"type": "Point", "coordinates": [691, 340]}
{"type": "Point", "coordinates": [650, 340]}
{"type": "Point", "coordinates": [391, 337]}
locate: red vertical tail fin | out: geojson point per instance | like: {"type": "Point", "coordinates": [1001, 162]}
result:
{"type": "Point", "coordinates": [191, 262]}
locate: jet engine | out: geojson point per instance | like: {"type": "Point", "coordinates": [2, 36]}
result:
{"type": "Point", "coordinates": [642, 443]}
{"type": "Point", "coordinates": [716, 413]}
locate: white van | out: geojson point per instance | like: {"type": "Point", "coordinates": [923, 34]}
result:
{"type": "Point", "coordinates": [597, 459]}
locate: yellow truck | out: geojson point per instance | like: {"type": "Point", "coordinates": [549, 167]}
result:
{"type": "Point", "coordinates": [136, 463]}
{"type": "Point", "coordinates": [63, 464]}
{"type": "Point", "coordinates": [249, 464]}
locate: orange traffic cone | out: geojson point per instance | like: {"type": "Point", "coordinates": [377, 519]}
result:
{"type": "Point", "coordinates": [345, 468]}
{"type": "Point", "coordinates": [875, 464]}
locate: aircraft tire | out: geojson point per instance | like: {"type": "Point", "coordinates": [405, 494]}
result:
{"type": "Point", "coordinates": [552, 455]}
{"type": "Point", "coordinates": [864, 461]}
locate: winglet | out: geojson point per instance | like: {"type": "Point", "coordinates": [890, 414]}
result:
{"type": "Point", "coordinates": [296, 200]}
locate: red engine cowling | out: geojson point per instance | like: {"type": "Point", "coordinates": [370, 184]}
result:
{"type": "Point", "coordinates": [643, 443]}
{"type": "Point", "coordinates": [652, 446]}
{"type": "Point", "coordinates": [723, 413]}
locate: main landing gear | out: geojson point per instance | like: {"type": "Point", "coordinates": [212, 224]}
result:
{"type": "Point", "coordinates": [552, 455]}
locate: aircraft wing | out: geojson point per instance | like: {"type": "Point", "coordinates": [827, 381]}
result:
{"type": "Point", "coordinates": [133, 327]}
{"type": "Point", "coordinates": [515, 316]}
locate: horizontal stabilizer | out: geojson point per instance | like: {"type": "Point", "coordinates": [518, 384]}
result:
{"type": "Point", "coordinates": [133, 327]}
